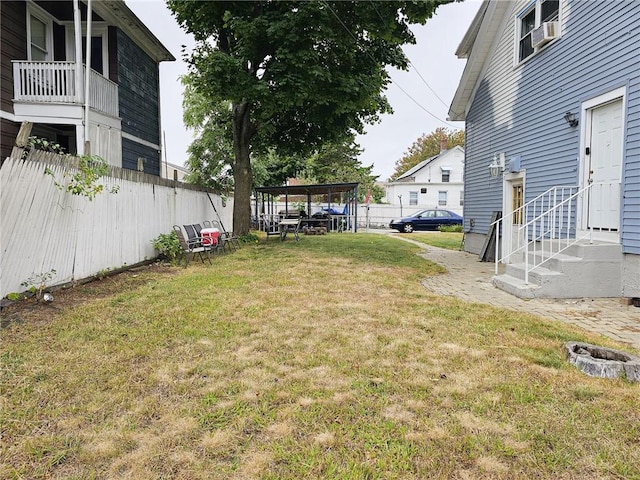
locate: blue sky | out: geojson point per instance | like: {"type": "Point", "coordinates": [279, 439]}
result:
{"type": "Point", "coordinates": [433, 58]}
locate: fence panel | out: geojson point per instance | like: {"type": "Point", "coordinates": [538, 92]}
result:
{"type": "Point", "coordinates": [43, 228]}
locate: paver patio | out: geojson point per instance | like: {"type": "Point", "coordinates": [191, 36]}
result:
{"type": "Point", "coordinates": [470, 280]}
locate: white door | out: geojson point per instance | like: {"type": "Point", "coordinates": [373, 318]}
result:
{"type": "Point", "coordinates": [605, 166]}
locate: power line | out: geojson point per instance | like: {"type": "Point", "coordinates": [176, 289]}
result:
{"type": "Point", "coordinates": [393, 81]}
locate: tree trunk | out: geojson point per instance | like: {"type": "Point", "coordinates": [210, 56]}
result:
{"type": "Point", "coordinates": [243, 131]}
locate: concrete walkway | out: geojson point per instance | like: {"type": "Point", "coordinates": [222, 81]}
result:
{"type": "Point", "coordinates": [470, 280]}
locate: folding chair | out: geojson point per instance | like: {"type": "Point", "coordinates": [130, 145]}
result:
{"type": "Point", "coordinates": [191, 247]}
{"type": "Point", "coordinates": [227, 238]}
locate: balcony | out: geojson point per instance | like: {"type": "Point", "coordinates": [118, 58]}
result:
{"type": "Point", "coordinates": [54, 83]}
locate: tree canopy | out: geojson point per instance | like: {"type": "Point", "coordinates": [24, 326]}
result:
{"type": "Point", "coordinates": [427, 146]}
{"type": "Point", "coordinates": [296, 74]}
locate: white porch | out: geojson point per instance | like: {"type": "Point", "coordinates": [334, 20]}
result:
{"type": "Point", "coordinates": [56, 85]}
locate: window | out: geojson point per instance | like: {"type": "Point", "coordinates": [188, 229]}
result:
{"type": "Point", "coordinates": [97, 62]}
{"type": "Point", "coordinates": [516, 202]}
{"type": "Point", "coordinates": [413, 198]}
{"type": "Point", "coordinates": [423, 190]}
{"type": "Point", "coordinates": [442, 214]}
{"type": "Point", "coordinates": [461, 197]}
{"type": "Point", "coordinates": [39, 33]}
{"type": "Point", "coordinates": [446, 174]}
{"type": "Point", "coordinates": [442, 198]}
{"type": "Point", "coordinates": [540, 12]}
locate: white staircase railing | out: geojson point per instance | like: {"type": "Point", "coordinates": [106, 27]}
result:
{"type": "Point", "coordinates": [546, 227]}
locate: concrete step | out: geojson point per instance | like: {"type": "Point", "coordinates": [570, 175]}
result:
{"type": "Point", "coordinates": [583, 270]}
{"type": "Point", "coordinates": [516, 286]}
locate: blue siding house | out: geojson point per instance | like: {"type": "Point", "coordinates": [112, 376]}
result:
{"type": "Point", "coordinates": [551, 100]}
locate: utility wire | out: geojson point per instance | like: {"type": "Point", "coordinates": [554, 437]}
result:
{"type": "Point", "coordinates": [411, 63]}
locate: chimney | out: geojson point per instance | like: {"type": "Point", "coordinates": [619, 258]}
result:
{"type": "Point", "coordinates": [443, 144]}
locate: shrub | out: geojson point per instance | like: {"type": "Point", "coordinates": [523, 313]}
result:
{"type": "Point", "coordinates": [450, 228]}
{"type": "Point", "coordinates": [249, 238]}
{"type": "Point", "coordinates": [168, 245]}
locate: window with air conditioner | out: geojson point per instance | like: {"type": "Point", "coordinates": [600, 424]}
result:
{"type": "Point", "coordinates": [536, 26]}
{"type": "Point", "coordinates": [442, 198]}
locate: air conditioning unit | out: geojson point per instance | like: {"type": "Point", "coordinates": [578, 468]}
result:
{"type": "Point", "coordinates": [544, 34]}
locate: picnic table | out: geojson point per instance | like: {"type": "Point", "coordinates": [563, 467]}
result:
{"type": "Point", "coordinates": [289, 225]}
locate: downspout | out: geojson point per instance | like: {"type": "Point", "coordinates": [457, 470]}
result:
{"type": "Point", "coordinates": [87, 141]}
{"type": "Point", "coordinates": [77, 27]}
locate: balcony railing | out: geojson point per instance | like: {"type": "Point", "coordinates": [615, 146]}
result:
{"type": "Point", "coordinates": [55, 82]}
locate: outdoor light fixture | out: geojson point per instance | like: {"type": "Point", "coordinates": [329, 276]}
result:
{"type": "Point", "coordinates": [496, 167]}
{"type": "Point", "coordinates": [571, 119]}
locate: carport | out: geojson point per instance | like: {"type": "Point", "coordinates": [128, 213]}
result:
{"type": "Point", "coordinates": [268, 211]}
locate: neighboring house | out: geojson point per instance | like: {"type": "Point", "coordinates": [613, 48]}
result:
{"type": "Point", "coordinates": [436, 182]}
{"type": "Point", "coordinates": [44, 82]}
{"type": "Point", "coordinates": [173, 172]}
{"type": "Point", "coordinates": [551, 93]}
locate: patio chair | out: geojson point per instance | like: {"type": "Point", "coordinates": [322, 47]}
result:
{"type": "Point", "coordinates": [191, 247]}
{"type": "Point", "coordinates": [227, 238]}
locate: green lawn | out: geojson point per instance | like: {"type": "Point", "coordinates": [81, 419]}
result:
{"type": "Point", "coordinates": [323, 359]}
{"type": "Point", "coordinates": [448, 240]}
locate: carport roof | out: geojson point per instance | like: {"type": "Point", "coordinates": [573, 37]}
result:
{"type": "Point", "coordinates": [320, 189]}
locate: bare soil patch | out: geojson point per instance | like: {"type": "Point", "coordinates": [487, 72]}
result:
{"type": "Point", "coordinates": [34, 310]}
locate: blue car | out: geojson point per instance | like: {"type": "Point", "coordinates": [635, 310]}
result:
{"type": "Point", "coordinates": [426, 220]}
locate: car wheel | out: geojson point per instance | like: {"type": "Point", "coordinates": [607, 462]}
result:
{"type": "Point", "coordinates": [408, 228]}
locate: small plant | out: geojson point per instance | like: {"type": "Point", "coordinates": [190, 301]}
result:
{"type": "Point", "coordinates": [168, 245]}
{"type": "Point", "coordinates": [450, 228]}
{"type": "Point", "coordinates": [14, 297]}
{"type": "Point", "coordinates": [37, 282]}
{"type": "Point", "coordinates": [37, 143]}
{"type": "Point", "coordinates": [84, 181]}
{"type": "Point", "coordinates": [102, 273]}
{"type": "Point", "coordinates": [249, 238]}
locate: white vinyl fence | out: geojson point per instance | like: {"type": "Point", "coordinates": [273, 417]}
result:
{"type": "Point", "coordinates": [43, 228]}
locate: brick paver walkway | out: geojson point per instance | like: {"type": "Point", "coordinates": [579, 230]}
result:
{"type": "Point", "coordinates": [470, 280]}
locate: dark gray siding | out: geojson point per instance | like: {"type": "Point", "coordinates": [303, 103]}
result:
{"type": "Point", "coordinates": [131, 151]}
{"type": "Point", "coordinates": [138, 80]}
{"type": "Point", "coordinates": [519, 109]}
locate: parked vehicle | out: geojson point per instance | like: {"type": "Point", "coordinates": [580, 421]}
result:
{"type": "Point", "coordinates": [426, 220]}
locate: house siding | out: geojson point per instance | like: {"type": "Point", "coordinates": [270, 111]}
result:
{"type": "Point", "coordinates": [131, 151]}
{"type": "Point", "coordinates": [519, 110]}
{"type": "Point", "coordinates": [13, 38]}
{"type": "Point", "coordinates": [138, 80]}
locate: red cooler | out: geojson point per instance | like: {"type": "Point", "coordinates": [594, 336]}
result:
{"type": "Point", "coordinates": [210, 236]}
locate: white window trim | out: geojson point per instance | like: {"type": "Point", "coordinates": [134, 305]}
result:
{"type": "Point", "coordinates": [536, 4]}
{"type": "Point", "coordinates": [98, 29]}
{"type": "Point", "coordinates": [41, 14]}
{"type": "Point", "coordinates": [446, 197]}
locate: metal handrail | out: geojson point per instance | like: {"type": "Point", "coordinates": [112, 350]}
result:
{"type": "Point", "coordinates": [523, 211]}
{"type": "Point", "coordinates": [553, 231]}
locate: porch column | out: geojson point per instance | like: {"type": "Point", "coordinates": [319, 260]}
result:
{"type": "Point", "coordinates": [87, 72]}
{"type": "Point", "coordinates": [77, 33]}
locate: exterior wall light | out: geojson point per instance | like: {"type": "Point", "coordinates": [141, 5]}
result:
{"type": "Point", "coordinates": [496, 167]}
{"type": "Point", "coordinates": [571, 119]}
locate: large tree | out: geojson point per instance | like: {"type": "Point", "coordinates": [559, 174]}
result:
{"type": "Point", "coordinates": [297, 74]}
{"type": "Point", "coordinates": [427, 146]}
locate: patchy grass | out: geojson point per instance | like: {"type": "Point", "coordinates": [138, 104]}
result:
{"type": "Point", "coordinates": [323, 359]}
{"type": "Point", "coordinates": [448, 240]}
